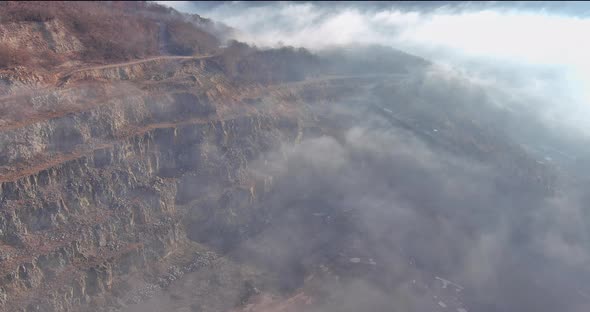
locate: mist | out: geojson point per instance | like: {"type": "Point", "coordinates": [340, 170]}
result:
{"type": "Point", "coordinates": [416, 206]}
{"type": "Point", "coordinates": [295, 156]}
{"type": "Point", "coordinates": [471, 167]}
{"type": "Point", "coordinates": [533, 51]}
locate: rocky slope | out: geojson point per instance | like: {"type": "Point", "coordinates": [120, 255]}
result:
{"type": "Point", "coordinates": [100, 172]}
{"type": "Point", "coordinates": [111, 191]}
{"type": "Point", "coordinates": [135, 184]}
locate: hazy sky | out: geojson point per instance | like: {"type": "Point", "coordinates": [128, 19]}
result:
{"type": "Point", "coordinates": [517, 250]}
{"type": "Point", "coordinates": [536, 50]}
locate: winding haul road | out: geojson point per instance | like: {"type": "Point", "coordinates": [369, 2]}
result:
{"type": "Point", "coordinates": [146, 60]}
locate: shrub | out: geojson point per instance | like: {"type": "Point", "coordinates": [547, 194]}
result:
{"type": "Point", "coordinates": [241, 61]}
{"type": "Point", "coordinates": [113, 30]}
{"type": "Point", "coordinates": [33, 11]}
{"type": "Point", "coordinates": [186, 39]}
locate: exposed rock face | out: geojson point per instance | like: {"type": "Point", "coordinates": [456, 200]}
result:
{"type": "Point", "coordinates": [123, 178]}
{"type": "Point", "coordinates": [84, 217]}
{"type": "Point", "coordinates": [100, 183]}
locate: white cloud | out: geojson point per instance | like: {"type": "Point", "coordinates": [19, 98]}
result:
{"type": "Point", "coordinates": [524, 44]}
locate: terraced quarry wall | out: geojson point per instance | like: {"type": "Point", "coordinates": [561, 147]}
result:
{"type": "Point", "coordinates": [100, 181]}
{"type": "Point", "coordinates": [128, 186]}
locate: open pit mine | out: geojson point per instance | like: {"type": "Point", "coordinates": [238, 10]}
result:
{"type": "Point", "coordinates": [148, 163]}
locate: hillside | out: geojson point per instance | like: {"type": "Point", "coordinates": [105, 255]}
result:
{"type": "Point", "coordinates": [149, 164]}
{"type": "Point", "coordinates": [50, 34]}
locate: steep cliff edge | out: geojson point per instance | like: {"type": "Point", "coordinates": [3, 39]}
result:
{"type": "Point", "coordinates": [101, 174]}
